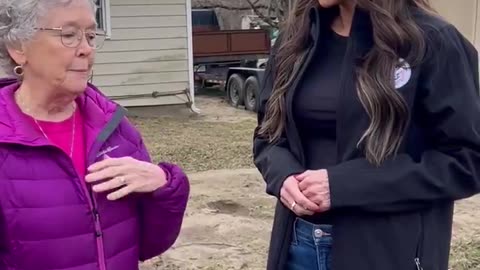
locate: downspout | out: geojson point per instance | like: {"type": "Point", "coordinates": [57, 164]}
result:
{"type": "Point", "coordinates": [191, 81]}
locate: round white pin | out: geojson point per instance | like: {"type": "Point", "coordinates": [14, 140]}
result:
{"type": "Point", "coordinates": [403, 73]}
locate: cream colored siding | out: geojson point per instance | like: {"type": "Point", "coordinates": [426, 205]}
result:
{"type": "Point", "coordinates": [143, 56]}
{"type": "Point", "coordinates": [463, 14]}
{"type": "Point", "coordinates": [149, 33]}
{"type": "Point", "coordinates": [144, 44]}
{"type": "Point", "coordinates": [153, 10]}
{"type": "Point", "coordinates": [136, 79]}
{"type": "Point", "coordinates": [147, 53]}
{"type": "Point", "coordinates": [140, 67]}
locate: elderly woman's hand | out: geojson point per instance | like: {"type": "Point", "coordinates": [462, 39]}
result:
{"type": "Point", "coordinates": [316, 187]}
{"type": "Point", "coordinates": [127, 175]}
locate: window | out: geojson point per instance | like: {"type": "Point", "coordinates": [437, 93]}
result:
{"type": "Point", "coordinates": [103, 16]}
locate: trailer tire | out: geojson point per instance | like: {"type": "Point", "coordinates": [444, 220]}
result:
{"type": "Point", "coordinates": [235, 89]}
{"type": "Point", "coordinates": [252, 89]}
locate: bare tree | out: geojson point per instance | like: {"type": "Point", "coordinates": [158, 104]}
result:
{"type": "Point", "coordinates": [276, 9]}
{"type": "Point", "coordinates": [269, 12]}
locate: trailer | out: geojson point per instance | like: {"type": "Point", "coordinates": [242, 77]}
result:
{"type": "Point", "coordinates": [230, 59]}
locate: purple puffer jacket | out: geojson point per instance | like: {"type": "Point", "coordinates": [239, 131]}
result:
{"type": "Point", "coordinates": [48, 217]}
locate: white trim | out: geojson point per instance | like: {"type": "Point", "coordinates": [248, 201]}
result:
{"type": "Point", "coordinates": [106, 25]}
{"type": "Point", "coordinates": [190, 54]}
{"type": "Point", "coordinates": [107, 19]}
{"type": "Point", "coordinates": [475, 24]}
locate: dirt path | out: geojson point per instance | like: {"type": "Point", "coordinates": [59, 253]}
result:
{"type": "Point", "coordinates": [217, 110]}
{"type": "Point", "coordinates": [228, 225]}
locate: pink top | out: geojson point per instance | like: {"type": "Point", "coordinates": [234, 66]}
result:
{"type": "Point", "coordinates": [60, 134]}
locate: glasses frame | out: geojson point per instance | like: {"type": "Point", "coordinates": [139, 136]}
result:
{"type": "Point", "coordinates": [60, 29]}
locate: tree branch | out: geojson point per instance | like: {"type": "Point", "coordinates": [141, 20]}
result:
{"type": "Point", "coordinates": [260, 15]}
{"type": "Point", "coordinates": [228, 7]}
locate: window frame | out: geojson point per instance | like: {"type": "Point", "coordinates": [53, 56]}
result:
{"type": "Point", "coordinates": [103, 10]}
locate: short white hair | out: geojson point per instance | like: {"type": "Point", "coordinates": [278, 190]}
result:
{"type": "Point", "coordinates": [18, 20]}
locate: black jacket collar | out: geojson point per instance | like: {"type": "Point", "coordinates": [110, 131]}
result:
{"type": "Point", "coordinates": [361, 35]}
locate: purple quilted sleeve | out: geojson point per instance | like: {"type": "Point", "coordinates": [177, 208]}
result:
{"type": "Point", "coordinates": [163, 212]}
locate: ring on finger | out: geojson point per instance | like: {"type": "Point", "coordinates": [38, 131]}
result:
{"type": "Point", "coordinates": [294, 203]}
{"type": "Point", "coordinates": [122, 180]}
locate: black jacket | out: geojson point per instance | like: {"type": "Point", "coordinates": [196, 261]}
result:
{"type": "Point", "coordinates": [400, 214]}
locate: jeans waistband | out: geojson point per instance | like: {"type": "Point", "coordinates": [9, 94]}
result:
{"type": "Point", "coordinates": [305, 226]}
{"type": "Point", "coordinates": [310, 234]}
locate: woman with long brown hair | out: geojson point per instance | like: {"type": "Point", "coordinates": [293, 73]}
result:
{"type": "Point", "coordinates": [368, 131]}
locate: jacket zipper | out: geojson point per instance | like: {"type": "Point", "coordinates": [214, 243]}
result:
{"type": "Point", "coordinates": [98, 227]}
{"type": "Point", "coordinates": [111, 125]}
{"type": "Point", "coordinates": [91, 205]}
{"type": "Point", "coordinates": [96, 219]}
{"type": "Point", "coordinates": [418, 264]}
{"type": "Point", "coordinates": [99, 238]}
{"type": "Point", "coordinates": [95, 215]}
{"type": "Point", "coordinates": [119, 114]}
{"type": "Point", "coordinates": [418, 253]}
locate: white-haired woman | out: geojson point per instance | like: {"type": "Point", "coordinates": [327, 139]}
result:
{"type": "Point", "coordinates": [65, 203]}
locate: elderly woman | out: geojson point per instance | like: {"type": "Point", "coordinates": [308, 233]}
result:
{"type": "Point", "coordinates": [77, 188]}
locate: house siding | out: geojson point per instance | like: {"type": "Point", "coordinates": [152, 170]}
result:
{"type": "Point", "coordinates": [147, 53]}
{"type": "Point", "coordinates": [463, 14]}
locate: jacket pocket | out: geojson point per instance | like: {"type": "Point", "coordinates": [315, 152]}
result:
{"type": "Point", "coordinates": [419, 248]}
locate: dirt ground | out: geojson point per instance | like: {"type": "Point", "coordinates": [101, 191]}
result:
{"type": "Point", "coordinates": [228, 220]}
{"type": "Point", "coordinates": [227, 225]}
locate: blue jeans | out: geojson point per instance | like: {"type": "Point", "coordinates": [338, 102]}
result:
{"type": "Point", "coordinates": [310, 247]}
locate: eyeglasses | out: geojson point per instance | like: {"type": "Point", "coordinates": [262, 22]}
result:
{"type": "Point", "coordinates": [72, 37]}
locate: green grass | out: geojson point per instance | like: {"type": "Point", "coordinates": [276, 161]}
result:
{"type": "Point", "coordinates": [198, 145]}
{"type": "Point", "coordinates": [466, 254]}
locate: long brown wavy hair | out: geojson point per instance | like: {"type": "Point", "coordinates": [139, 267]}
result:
{"type": "Point", "coordinates": [394, 33]}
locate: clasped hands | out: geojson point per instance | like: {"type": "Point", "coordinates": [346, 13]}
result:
{"type": "Point", "coordinates": [307, 193]}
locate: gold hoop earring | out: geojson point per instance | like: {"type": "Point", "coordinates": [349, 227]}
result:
{"type": "Point", "coordinates": [90, 79]}
{"type": "Point", "coordinates": [18, 70]}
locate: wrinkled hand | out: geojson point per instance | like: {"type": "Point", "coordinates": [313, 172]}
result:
{"type": "Point", "coordinates": [127, 175]}
{"type": "Point", "coordinates": [292, 198]}
{"type": "Point", "coordinates": [315, 186]}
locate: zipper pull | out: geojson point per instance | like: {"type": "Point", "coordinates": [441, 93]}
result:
{"type": "Point", "coordinates": [95, 214]}
{"type": "Point", "coordinates": [419, 265]}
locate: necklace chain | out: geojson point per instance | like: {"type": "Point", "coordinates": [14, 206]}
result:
{"type": "Point", "coordinates": [72, 141]}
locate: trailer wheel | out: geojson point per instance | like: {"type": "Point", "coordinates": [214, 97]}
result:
{"type": "Point", "coordinates": [235, 90]}
{"type": "Point", "coordinates": [252, 89]}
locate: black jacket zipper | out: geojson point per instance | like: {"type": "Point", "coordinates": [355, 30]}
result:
{"type": "Point", "coordinates": [418, 253]}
